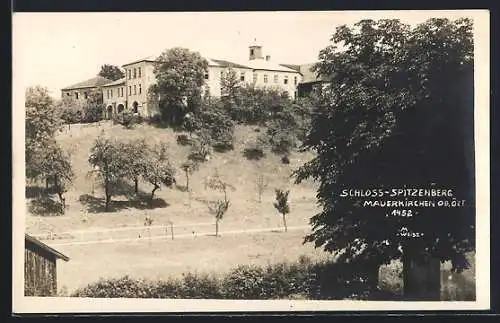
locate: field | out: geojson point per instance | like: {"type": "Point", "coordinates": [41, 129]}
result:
{"type": "Point", "coordinates": [251, 231]}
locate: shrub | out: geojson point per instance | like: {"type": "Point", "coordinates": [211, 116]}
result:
{"type": "Point", "coordinates": [129, 120]}
{"type": "Point", "coordinates": [200, 150]}
{"type": "Point", "coordinates": [301, 280]}
{"type": "Point", "coordinates": [46, 206]}
{"type": "Point", "coordinates": [253, 153]}
{"type": "Point", "coordinates": [183, 140]}
{"type": "Point", "coordinates": [285, 159]}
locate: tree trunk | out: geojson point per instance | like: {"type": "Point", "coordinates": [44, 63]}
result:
{"type": "Point", "coordinates": [108, 196]}
{"type": "Point", "coordinates": [59, 192]}
{"type": "Point", "coordinates": [136, 187]}
{"type": "Point", "coordinates": [421, 275]}
{"type": "Point", "coordinates": [153, 193]}
{"type": "Point", "coordinates": [187, 180]}
{"type": "Point", "coordinates": [46, 183]}
{"type": "Point", "coordinates": [284, 222]}
{"type": "Point", "coordinates": [216, 228]}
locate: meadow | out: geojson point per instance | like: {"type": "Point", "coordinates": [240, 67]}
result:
{"type": "Point", "coordinates": [191, 251]}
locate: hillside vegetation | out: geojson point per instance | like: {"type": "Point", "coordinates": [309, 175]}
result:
{"type": "Point", "coordinates": [85, 210]}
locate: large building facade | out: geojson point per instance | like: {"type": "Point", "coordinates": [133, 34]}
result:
{"type": "Point", "coordinates": [131, 92]}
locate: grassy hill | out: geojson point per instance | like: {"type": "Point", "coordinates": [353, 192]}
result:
{"type": "Point", "coordinates": [85, 210]}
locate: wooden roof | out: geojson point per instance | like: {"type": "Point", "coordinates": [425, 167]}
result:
{"type": "Point", "coordinates": [57, 254]}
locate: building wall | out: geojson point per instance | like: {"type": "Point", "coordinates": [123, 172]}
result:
{"type": "Point", "coordinates": [78, 96]}
{"type": "Point", "coordinates": [137, 85]}
{"type": "Point", "coordinates": [276, 79]}
{"type": "Point", "coordinates": [113, 96]}
{"type": "Point", "coordinates": [214, 79]}
{"type": "Point", "coordinates": [40, 276]}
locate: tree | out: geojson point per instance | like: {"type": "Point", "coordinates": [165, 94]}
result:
{"type": "Point", "coordinates": [261, 185]}
{"type": "Point", "coordinates": [189, 167]}
{"type": "Point", "coordinates": [158, 171]}
{"type": "Point", "coordinates": [41, 122]}
{"type": "Point", "coordinates": [111, 72]}
{"type": "Point", "coordinates": [217, 184]}
{"type": "Point", "coordinates": [92, 111]}
{"type": "Point", "coordinates": [180, 74]}
{"type": "Point", "coordinates": [56, 165]}
{"type": "Point", "coordinates": [219, 207]}
{"type": "Point", "coordinates": [282, 205]}
{"type": "Point", "coordinates": [397, 109]}
{"type": "Point", "coordinates": [138, 160]}
{"type": "Point", "coordinates": [109, 160]}
{"type": "Point", "coordinates": [229, 83]}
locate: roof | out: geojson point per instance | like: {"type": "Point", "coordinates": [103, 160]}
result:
{"type": "Point", "coordinates": [90, 83]}
{"type": "Point", "coordinates": [57, 254]}
{"type": "Point", "coordinates": [308, 75]}
{"type": "Point", "coordinates": [150, 58]}
{"type": "Point", "coordinates": [292, 66]}
{"type": "Point", "coordinates": [117, 82]}
{"type": "Point", "coordinates": [221, 62]}
{"type": "Point", "coordinates": [262, 64]}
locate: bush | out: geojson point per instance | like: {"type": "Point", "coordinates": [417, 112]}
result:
{"type": "Point", "coordinates": [92, 113]}
{"type": "Point", "coordinates": [301, 280]}
{"type": "Point", "coordinates": [253, 153]}
{"type": "Point", "coordinates": [285, 159]}
{"type": "Point", "coordinates": [129, 120]}
{"type": "Point", "coordinates": [200, 150]}
{"type": "Point", "coordinates": [184, 140]}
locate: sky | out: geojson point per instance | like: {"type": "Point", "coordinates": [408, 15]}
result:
{"type": "Point", "coordinates": [59, 49]}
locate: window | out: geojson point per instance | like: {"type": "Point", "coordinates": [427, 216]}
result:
{"type": "Point", "coordinates": [295, 80]}
{"type": "Point", "coordinates": [76, 95]}
{"type": "Point", "coordinates": [206, 76]}
{"type": "Point", "coordinates": [285, 80]}
{"type": "Point", "coordinates": [265, 78]}
{"type": "Point", "coordinates": [139, 70]}
{"type": "Point", "coordinates": [276, 78]}
{"type": "Point", "coordinates": [251, 52]}
{"type": "Point", "coordinates": [135, 89]}
{"type": "Point", "coordinates": [68, 94]}
{"type": "Point", "coordinates": [85, 95]}
{"type": "Point", "coordinates": [111, 92]}
{"type": "Point", "coordinates": [140, 89]}
{"type": "Point", "coordinates": [130, 90]}
{"type": "Point", "coordinates": [221, 75]}
{"type": "Point", "coordinates": [135, 73]}
{"type": "Point", "coordinates": [242, 77]}
{"type": "Point", "coordinates": [129, 74]}
{"type": "Point", "coordinates": [255, 77]}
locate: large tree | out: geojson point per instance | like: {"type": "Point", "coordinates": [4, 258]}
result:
{"type": "Point", "coordinates": [111, 72]}
{"type": "Point", "coordinates": [180, 75]}
{"type": "Point", "coordinates": [397, 112]}
{"type": "Point", "coordinates": [41, 122]}
{"type": "Point", "coordinates": [109, 160]}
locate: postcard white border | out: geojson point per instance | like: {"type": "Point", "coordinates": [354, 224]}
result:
{"type": "Point", "coordinates": [23, 304]}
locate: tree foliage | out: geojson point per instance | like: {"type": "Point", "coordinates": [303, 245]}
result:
{"type": "Point", "coordinates": [180, 74]}
{"type": "Point", "coordinates": [230, 83]}
{"type": "Point", "coordinates": [397, 112]}
{"type": "Point", "coordinates": [111, 72]}
{"type": "Point", "coordinates": [108, 159]}
{"type": "Point", "coordinates": [158, 171]}
{"type": "Point", "coordinates": [282, 205]}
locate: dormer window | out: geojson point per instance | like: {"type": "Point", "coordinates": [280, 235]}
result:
{"type": "Point", "coordinates": [206, 76]}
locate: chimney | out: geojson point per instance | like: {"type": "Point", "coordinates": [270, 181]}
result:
{"type": "Point", "coordinates": [268, 57]}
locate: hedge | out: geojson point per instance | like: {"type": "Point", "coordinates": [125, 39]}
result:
{"type": "Point", "coordinates": [303, 280]}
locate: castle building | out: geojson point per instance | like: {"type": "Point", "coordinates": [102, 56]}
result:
{"type": "Point", "coordinates": [131, 92]}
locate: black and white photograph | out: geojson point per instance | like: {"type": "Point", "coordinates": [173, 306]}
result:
{"type": "Point", "coordinates": [251, 161]}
